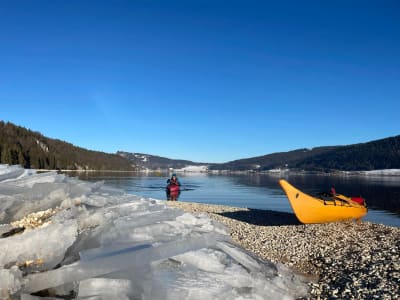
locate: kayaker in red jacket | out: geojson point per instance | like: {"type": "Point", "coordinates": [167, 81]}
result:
{"type": "Point", "coordinates": [174, 180]}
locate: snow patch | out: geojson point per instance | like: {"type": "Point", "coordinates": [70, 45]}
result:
{"type": "Point", "coordinates": [43, 146]}
{"type": "Point", "coordinates": [385, 172]}
{"type": "Point", "coordinates": [193, 169]}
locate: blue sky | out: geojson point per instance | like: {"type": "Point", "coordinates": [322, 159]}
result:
{"type": "Point", "coordinates": [208, 81]}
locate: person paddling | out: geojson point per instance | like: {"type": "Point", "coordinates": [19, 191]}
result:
{"type": "Point", "coordinates": [174, 180]}
{"type": "Point", "coordinates": [173, 188]}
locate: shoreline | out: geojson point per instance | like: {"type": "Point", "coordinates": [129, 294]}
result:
{"type": "Point", "coordinates": [373, 173]}
{"type": "Point", "coordinates": [346, 260]}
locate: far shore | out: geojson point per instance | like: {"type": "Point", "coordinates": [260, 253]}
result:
{"type": "Point", "coordinates": [83, 171]}
{"type": "Point", "coordinates": [346, 260]}
{"type": "Point", "coordinates": [373, 173]}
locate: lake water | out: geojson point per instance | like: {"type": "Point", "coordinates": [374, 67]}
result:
{"type": "Point", "coordinates": [262, 191]}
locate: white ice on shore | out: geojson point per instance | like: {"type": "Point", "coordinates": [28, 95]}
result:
{"type": "Point", "coordinates": [101, 243]}
{"type": "Point", "coordinates": [384, 172]}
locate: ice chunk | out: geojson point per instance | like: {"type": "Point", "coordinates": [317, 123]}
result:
{"type": "Point", "coordinates": [139, 227]}
{"type": "Point", "coordinates": [202, 223]}
{"type": "Point", "coordinates": [108, 288]}
{"type": "Point", "coordinates": [10, 281]}
{"type": "Point", "coordinates": [205, 259]}
{"type": "Point", "coordinates": [187, 281]}
{"type": "Point", "coordinates": [171, 280]}
{"type": "Point", "coordinates": [139, 234]}
{"type": "Point", "coordinates": [40, 197]}
{"type": "Point", "coordinates": [120, 261]}
{"type": "Point", "coordinates": [241, 257]}
{"type": "Point", "coordinates": [114, 249]}
{"type": "Point", "coordinates": [11, 189]}
{"type": "Point", "coordinates": [29, 179]}
{"type": "Point", "coordinates": [43, 196]}
{"type": "Point", "coordinates": [10, 172]}
{"type": "Point", "coordinates": [268, 279]}
{"type": "Point", "coordinates": [293, 284]}
{"type": "Point", "coordinates": [145, 218]}
{"type": "Point", "coordinates": [181, 283]}
{"type": "Point", "coordinates": [43, 247]}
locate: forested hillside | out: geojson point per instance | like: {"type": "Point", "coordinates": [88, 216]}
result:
{"type": "Point", "coordinates": [374, 155]}
{"type": "Point", "coordinates": [272, 161]}
{"type": "Point", "coordinates": [31, 149]}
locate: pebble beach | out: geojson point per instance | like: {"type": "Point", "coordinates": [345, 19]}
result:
{"type": "Point", "coordinates": [347, 260]}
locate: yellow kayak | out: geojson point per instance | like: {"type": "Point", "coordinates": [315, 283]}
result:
{"type": "Point", "coordinates": [323, 209]}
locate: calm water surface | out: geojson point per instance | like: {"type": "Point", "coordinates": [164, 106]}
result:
{"type": "Point", "coordinates": [262, 191]}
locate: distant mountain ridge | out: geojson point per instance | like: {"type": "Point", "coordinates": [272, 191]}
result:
{"type": "Point", "coordinates": [153, 162]}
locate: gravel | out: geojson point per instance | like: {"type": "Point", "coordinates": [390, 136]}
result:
{"type": "Point", "coordinates": [346, 260]}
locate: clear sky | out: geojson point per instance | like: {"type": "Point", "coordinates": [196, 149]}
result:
{"type": "Point", "coordinates": [208, 81]}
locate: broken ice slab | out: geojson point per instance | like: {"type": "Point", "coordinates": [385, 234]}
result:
{"type": "Point", "coordinates": [45, 246]}
{"type": "Point", "coordinates": [143, 218]}
{"type": "Point", "coordinates": [128, 229]}
{"type": "Point", "coordinates": [208, 260]}
{"type": "Point", "coordinates": [152, 232]}
{"type": "Point", "coordinates": [125, 205]}
{"type": "Point", "coordinates": [10, 281]}
{"type": "Point", "coordinates": [10, 189]}
{"type": "Point", "coordinates": [105, 288]}
{"type": "Point", "coordinates": [106, 228]}
{"type": "Point", "coordinates": [178, 282]}
{"type": "Point", "coordinates": [169, 280]}
{"type": "Point", "coordinates": [9, 172]}
{"type": "Point", "coordinates": [269, 279]}
{"type": "Point", "coordinates": [29, 179]}
{"type": "Point", "coordinates": [181, 281]}
{"type": "Point", "coordinates": [121, 261]}
{"type": "Point", "coordinates": [156, 226]}
{"type": "Point", "coordinates": [43, 196]}
{"type": "Point", "coordinates": [40, 197]}
{"type": "Point", "coordinates": [135, 230]}
{"type": "Point", "coordinates": [111, 250]}
{"type": "Point", "coordinates": [240, 256]}
{"type": "Point", "coordinates": [122, 217]}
